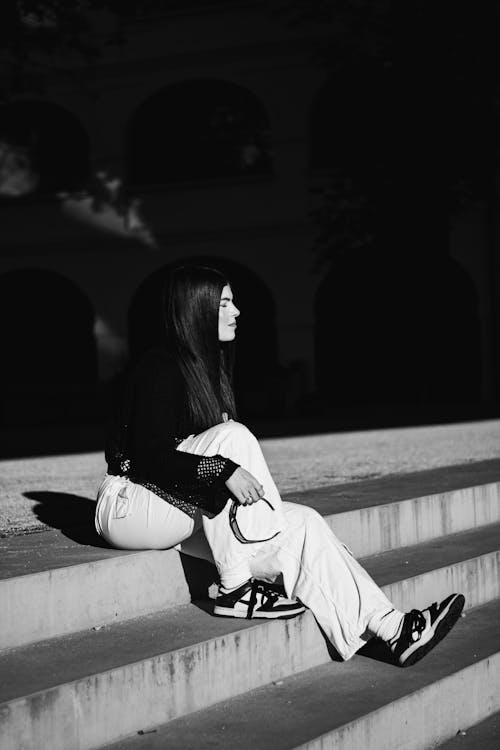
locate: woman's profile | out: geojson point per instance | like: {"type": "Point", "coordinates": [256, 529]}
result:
{"type": "Point", "coordinates": [183, 472]}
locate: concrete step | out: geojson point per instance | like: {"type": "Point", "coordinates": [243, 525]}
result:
{"type": "Point", "coordinates": [482, 736]}
{"type": "Point", "coordinates": [89, 688]}
{"type": "Point", "coordinates": [404, 509]}
{"type": "Point", "coordinates": [105, 585]}
{"type": "Point", "coordinates": [53, 583]}
{"type": "Point", "coordinates": [362, 704]}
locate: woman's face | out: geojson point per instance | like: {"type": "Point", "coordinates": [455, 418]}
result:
{"type": "Point", "coordinates": [228, 313]}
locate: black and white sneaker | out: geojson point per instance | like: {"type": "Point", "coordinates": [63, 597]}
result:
{"type": "Point", "coordinates": [421, 630]}
{"type": "Point", "coordinates": [256, 599]}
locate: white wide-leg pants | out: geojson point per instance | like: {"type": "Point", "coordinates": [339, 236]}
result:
{"type": "Point", "coordinates": [316, 567]}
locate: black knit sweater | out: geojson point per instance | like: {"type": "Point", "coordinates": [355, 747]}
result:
{"type": "Point", "coordinates": [142, 443]}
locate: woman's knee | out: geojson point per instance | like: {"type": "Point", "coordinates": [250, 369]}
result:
{"type": "Point", "coordinates": [225, 429]}
{"type": "Point", "coordinates": [237, 431]}
{"type": "Point", "coordinates": [226, 438]}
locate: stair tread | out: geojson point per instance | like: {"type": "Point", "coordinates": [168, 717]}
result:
{"type": "Point", "coordinates": [397, 487]}
{"type": "Point", "coordinates": [287, 713]}
{"type": "Point", "coordinates": [48, 550]}
{"type": "Point", "coordinates": [420, 558]}
{"type": "Point", "coordinates": [56, 661]}
{"type": "Point", "coordinates": [482, 736]}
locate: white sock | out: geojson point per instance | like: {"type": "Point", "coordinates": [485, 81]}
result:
{"type": "Point", "coordinates": [386, 625]}
{"type": "Point", "coordinates": [227, 590]}
{"type": "Point", "coordinates": [235, 576]}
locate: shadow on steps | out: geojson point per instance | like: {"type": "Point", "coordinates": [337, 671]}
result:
{"type": "Point", "coordinates": [73, 515]}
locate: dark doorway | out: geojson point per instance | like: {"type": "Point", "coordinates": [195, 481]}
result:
{"type": "Point", "coordinates": [48, 344]}
{"type": "Point", "coordinates": [396, 330]}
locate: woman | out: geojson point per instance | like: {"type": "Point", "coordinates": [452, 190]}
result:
{"type": "Point", "coordinates": [183, 473]}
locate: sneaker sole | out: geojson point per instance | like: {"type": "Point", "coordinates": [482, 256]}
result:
{"type": "Point", "coordinates": [229, 612]}
{"type": "Point", "coordinates": [442, 630]}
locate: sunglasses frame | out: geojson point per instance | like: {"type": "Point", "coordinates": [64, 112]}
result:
{"type": "Point", "coordinates": [236, 529]}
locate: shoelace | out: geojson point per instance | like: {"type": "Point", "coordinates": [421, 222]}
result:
{"type": "Point", "coordinates": [413, 625]}
{"type": "Point", "coordinates": [269, 596]}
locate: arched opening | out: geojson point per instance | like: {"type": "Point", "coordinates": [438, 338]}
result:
{"type": "Point", "coordinates": [48, 344]}
{"type": "Point", "coordinates": [258, 377]}
{"type": "Point", "coordinates": [43, 149]}
{"type": "Point", "coordinates": [198, 130]}
{"type": "Point", "coordinates": [391, 331]}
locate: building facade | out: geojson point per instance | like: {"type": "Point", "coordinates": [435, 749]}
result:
{"type": "Point", "coordinates": [200, 138]}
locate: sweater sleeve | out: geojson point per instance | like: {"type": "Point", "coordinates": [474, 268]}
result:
{"type": "Point", "coordinates": [159, 390]}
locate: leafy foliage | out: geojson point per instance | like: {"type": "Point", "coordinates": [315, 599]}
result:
{"type": "Point", "coordinates": [40, 36]}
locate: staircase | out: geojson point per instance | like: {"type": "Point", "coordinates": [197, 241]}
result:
{"type": "Point", "coordinates": [103, 648]}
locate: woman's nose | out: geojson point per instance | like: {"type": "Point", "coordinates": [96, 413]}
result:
{"type": "Point", "coordinates": [236, 312]}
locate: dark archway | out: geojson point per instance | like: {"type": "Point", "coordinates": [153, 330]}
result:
{"type": "Point", "coordinates": [258, 377]}
{"type": "Point", "coordinates": [396, 330]}
{"type": "Point", "coordinates": [49, 349]}
{"type": "Point", "coordinates": [197, 130]}
{"type": "Point", "coordinates": [43, 149]}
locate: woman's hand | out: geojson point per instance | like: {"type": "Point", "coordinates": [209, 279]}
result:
{"type": "Point", "coordinates": [245, 488]}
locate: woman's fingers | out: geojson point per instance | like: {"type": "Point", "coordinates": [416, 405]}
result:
{"type": "Point", "coordinates": [255, 492]}
{"type": "Point", "coordinates": [256, 489]}
{"type": "Point", "coordinates": [250, 496]}
{"type": "Point", "coordinates": [245, 487]}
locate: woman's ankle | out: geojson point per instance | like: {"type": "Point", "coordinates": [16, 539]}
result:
{"type": "Point", "coordinates": [385, 625]}
{"type": "Point", "coordinates": [226, 590]}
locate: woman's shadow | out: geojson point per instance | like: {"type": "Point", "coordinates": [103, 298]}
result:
{"type": "Point", "coordinates": [73, 515]}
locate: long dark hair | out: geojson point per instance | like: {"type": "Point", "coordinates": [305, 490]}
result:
{"type": "Point", "coordinates": [191, 313]}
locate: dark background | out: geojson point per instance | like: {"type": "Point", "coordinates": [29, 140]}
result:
{"type": "Point", "coordinates": [402, 143]}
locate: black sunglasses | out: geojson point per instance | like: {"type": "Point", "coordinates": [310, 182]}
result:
{"type": "Point", "coordinates": [236, 529]}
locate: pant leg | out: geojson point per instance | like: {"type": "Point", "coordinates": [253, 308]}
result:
{"type": "Point", "coordinates": [316, 567]}
{"type": "Point", "coordinates": [130, 516]}
{"type": "Point", "coordinates": [234, 440]}
{"type": "Point", "coordinates": [233, 559]}
{"type": "Point", "coordinates": [320, 570]}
